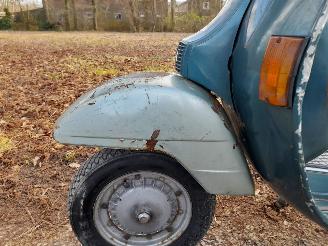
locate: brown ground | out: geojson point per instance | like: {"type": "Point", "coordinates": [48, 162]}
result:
{"type": "Point", "coordinates": [40, 75]}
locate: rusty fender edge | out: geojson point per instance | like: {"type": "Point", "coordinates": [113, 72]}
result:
{"type": "Point", "coordinates": [164, 113]}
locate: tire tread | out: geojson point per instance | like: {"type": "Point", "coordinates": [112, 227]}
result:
{"type": "Point", "coordinates": [97, 160]}
{"type": "Point", "coordinates": [205, 202]}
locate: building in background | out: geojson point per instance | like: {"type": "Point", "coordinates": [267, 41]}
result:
{"type": "Point", "coordinates": [182, 8]}
{"type": "Point", "coordinates": [112, 15]}
{"type": "Point", "coordinates": [205, 7]}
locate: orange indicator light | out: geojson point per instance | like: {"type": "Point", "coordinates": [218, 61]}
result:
{"type": "Point", "coordinates": [278, 69]}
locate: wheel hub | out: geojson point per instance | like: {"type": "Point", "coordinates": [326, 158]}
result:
{"type": "Point", "coordinates": [142, 208]}
{"type": "Point", "coordinates": [150, 200]}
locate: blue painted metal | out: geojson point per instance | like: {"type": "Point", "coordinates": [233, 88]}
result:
{"type": "Point", "coordinates": [204, 57]}
{"type": "Point", "coordinates": [315, 108]}
{"type": "Point", "coordinates": [163, 113]}
{"type": "Point", "coordinates": [318, 180]}
{"type": "Point", "coordinates": [274, 135]}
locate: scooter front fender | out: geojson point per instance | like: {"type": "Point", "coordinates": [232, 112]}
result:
{"type": "Point", "coordinates": [164, 113]}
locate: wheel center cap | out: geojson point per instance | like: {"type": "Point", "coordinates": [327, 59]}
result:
{"type": "Point", "coordinates": [142, 208]}
{"type": "Point", "coordinates": [144, 218]}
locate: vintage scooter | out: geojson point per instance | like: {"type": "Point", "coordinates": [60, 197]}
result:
{"type": "Point", "coordinates": [252, 89]}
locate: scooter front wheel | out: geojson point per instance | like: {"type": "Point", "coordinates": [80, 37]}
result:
{"type": "Point", "coordinates": [137, 198]}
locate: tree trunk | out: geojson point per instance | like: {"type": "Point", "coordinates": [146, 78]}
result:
{"type": "Point", "coordinates": [95, 15]}
{"type": "Point", "coordinates": [173, 4]}
{"type": "Point", "coordinates": [200, 7]}
{"type": "Point", "coordinates": [154, 14]}
{"type": "Point", "coordinates": [66, 16]}
{"type": "Point", "coordinates": [135, 15]}
{"type": "Point", "coordinates": [131, 6]}
{"type": "Point", "coordinates": [46, 9]}
{"type": "Point", "coordinates": [162, 12]}
{"type": "Point", "coordinates": [74, 15]}
{"type": "Point", "coordinates": [27, 18]}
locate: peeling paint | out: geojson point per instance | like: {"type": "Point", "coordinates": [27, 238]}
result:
{"type": "Point", "coordinates": [93, 95]}
{"type": "Point", "coordinates": [206, 134]}
{"type": "Point", "coordinates": [306, 73]}
{"type": "Point", "coordinates": [220, 111]}
{"type": "Point", "coordinates": [123, 85]}
{"type": "Point", "coordinates": [148, 98]}
{"type": "Point", "coordinates": [167, 132]}
{"type": "Point", "coordinates": [217, 108]}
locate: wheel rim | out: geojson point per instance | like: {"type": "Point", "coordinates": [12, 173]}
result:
{"type": "Point", "coordinates": [142, 208]}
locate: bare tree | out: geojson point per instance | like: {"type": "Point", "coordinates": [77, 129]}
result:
{"type": "Point", "coordinates": [11, 5]}
{"type": "Point", "coordinates": [154, 14]}
{"type": "Point", "coordinates": [95, 15]}
{"type": "Point", "coordinates": [73, 10]}
{"type": "Point", "coordinates": [196, 6]}
{"type": "Point", "coordinates": [173, 5]}
{"type": "Point", "coordinates": [46, 9]}
{"type": "Point", "coordinates": [132, 14]}
{"type": "Point", "coordinates": [27, 17]}
{"type": "Point", "coordinates": [66, 16]}
{"type": "Point", "coordinates": [25, 13]}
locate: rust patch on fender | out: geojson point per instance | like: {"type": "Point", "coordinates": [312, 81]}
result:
{"type": "Point", "coordinates": [151, 143]}
{"type": "Point", "coordinates": [216, 106]}
{"type": "Point", "coordinates": [220, 111]}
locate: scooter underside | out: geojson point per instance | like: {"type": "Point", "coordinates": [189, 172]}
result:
{"type": "Point", "coordinates": [317, 172]}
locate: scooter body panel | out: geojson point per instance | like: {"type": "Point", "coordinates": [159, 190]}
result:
{"type": "Point", "coordinates": [275, 136]}
{"type": "Point", "coordinates": [181, 118]}
{"type": "Point", "coordinates": [204, 57]}
{"type": "Point", "coordinates": [164, 113]}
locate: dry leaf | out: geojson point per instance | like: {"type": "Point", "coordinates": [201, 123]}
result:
{"type": "Point", "coordinates": [36, 160]}
{"type": "Point", "coordinates": [74, 165]}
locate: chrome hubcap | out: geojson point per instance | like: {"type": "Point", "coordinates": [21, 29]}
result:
{"type": "Point", "coordinates": [143, 208]}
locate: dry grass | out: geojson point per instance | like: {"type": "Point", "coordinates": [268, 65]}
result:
{"type": "Point", "coordinates": [40, 75]}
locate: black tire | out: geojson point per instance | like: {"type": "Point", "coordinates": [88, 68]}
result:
{"type": "Point", "coordinates": [108, 165]}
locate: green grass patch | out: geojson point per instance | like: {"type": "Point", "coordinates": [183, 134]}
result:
{"type": "Point", "coordinates": [106, 72]}
{"type": "Point", "coordinates": [5, 144]}
{"type": "Point", "coordinates": [70, 156]}
{"type": "Point", "coordinates": [160, 68]}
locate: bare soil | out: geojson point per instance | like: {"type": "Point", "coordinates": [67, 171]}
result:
{"type": "Point", "coordinates": [43, 73]}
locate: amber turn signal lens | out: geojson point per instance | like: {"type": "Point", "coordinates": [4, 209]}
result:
{"type": "Point", "coordinates": [278, 69]}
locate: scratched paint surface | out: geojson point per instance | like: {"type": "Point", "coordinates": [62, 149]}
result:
{"type": "Point", "coordinates": [164, 113]}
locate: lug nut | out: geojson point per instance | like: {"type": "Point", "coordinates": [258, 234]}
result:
{"type": "Point", "coordinates": [143, 218]}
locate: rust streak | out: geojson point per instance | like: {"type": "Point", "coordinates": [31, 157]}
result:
{"type": "Point", "coordinates": [216, 106]}
{"type": "Point", "coordinates": [151, 143]}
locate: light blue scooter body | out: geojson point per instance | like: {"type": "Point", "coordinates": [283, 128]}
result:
{"type": "Point", "coordinates": [164, 113]}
